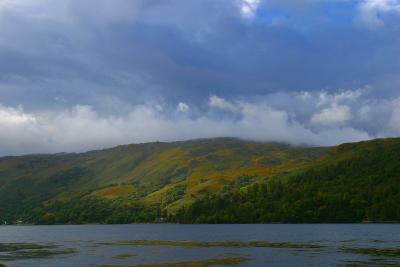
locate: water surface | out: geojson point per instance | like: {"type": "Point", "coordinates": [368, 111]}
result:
{"type": "Point", "coordinates": [201, 245]}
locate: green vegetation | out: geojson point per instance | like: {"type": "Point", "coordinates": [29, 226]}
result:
{"type": "Point", "coordinates": [173, 195]}
{"type": "Point", "coordinates": [92, 210]}
{"type": "Point", "coordinates": [205, 181]}
{"type": "Point", "coordinates": [354, 183]}
{"type": "Point", "coordinates": [134, 183]}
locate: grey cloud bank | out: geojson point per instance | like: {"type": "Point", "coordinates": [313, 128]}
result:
{"type": "Point", "coordinates": [316, 118]}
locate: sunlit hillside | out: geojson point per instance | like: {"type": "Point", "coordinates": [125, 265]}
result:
{"type": "Point", "coordinates": [166, 175]}
{"type": "Point", "coordinates": [210, 180]}
{"type": "Point", "coordinates": [358, 182]}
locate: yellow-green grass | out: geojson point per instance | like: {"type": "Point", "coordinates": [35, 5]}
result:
{"type": "Point", "coordinates": [114, 191]}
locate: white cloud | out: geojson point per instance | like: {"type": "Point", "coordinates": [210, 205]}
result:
{"type": "Point", "coordinates": [348, 95]}
{"type": "Point", "coordinates": [221, 103]}
{"type": "Point", "coordinates": [248, 8]}
{"type": "Point", "coordinates": [370, 11]}
{"type": "Point", "coordinates": [364, 112]}
{"type": "Point", "coordinates": [182, 107]}
{"type": "Point", "coordinates": [334, 115]}
{"type": "Point", "coordinates": [14, 116]}
{"type": "Point", "coordinates": [297, 118]}
{"type": "Point", "coordinates": [394, 121]}
{"type": "Point", "coordinates": [341, 96]}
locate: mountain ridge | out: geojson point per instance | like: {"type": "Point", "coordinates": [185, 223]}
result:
{"type": "Point", "coordinates": [161, 177]}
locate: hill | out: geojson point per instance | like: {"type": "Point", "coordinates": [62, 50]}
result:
{"type": "Point", "coordinates": [145, 178]}
{"type": "Point", "coordinates": [205, 181]}
{"type": "Point", "coordinates": [354, 183]}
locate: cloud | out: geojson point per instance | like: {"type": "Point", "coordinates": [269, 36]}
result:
{"type": "Point", "coordinates": [276, 70]}
{"type": "Point", "coordinates": [371, 11]}
{"type": "Point", "coordinates": [222, 104]}
{"type": "Point", "coordinates": [141, 50]}
{"type": "Point", "coordinates": [333, 115]}
{"type": "Point", "coordinates": [348, 95]}
{"type": "Point", "coordinates": [394, 122]}
{"type": "Point", "coordinates": [248, 8]}
{"type": "Point", "coordinates": [14, 116]}
{"type": "Point", "coordinates": [182, 107]}
{"type": "Point", "coordinates": [296, 118]}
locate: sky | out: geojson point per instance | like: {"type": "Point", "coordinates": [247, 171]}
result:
{"type": "Point", "coordinates": [77, 75]}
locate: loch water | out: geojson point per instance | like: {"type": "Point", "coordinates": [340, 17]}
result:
{"type": "Point", "coordinates": [201, 245]}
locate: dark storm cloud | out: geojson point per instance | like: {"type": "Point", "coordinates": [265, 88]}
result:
{"type": "Point", "coordinates": [172, 55]}
{"type": "Point", "coordinates": [185, 49]}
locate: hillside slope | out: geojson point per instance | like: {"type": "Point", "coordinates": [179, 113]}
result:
{"type": "Point", "coordinates": [220, 180]}
{"type": "Point", "coordinates": [152, 178]}
{"type": "Point", "coordinates": [353, 183]}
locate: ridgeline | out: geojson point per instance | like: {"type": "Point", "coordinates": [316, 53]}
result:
{"type": "Point", "coordinates": [220, 180]}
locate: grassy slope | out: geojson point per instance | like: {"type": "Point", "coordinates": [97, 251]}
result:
{"type": "Point", "coordinates": [353, 183]}
{"type": "Point", "coordinates": [348, 183]}
{"type": "Point", "coordinates": [144, 173]}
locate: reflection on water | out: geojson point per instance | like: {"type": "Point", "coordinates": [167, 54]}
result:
{"type": "Point", "coordinates": [18, 251]}
{"type": "Point", "coordinates": [201, 245]}
{"type": "Point", "coordinates": [211, 244]}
